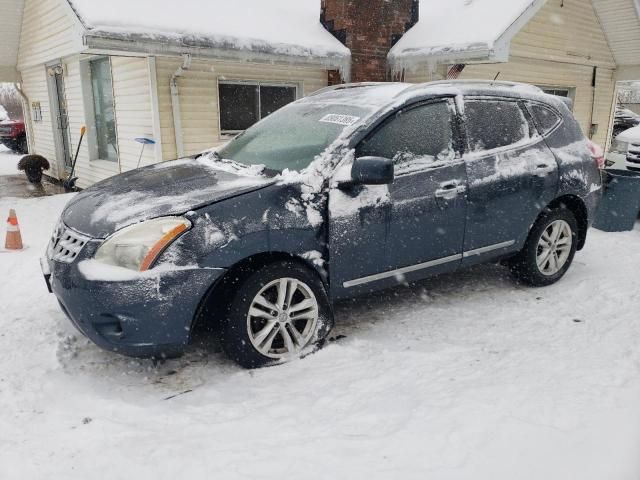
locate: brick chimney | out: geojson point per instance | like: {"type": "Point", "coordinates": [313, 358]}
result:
{"type": "Point", "coordinates": [369, 28]}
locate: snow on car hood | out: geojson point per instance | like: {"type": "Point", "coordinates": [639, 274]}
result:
{"type": "Point", "coordinates": [171, 188]}
{"type": "Point", "coordinates": [632, 135]}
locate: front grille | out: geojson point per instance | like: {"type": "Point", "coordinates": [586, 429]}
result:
{"type": "Point", "coordinates": [633, 154]}
{"type": "Point", "coordinates": [5, 130]}
{"type": "Point", "coordinates": [65, 244]}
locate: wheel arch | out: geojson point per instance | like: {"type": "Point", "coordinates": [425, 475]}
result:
{"type": "Point", "coordinates": [575, 205]}
{"type": "Point", "coordinates": [235, 275]}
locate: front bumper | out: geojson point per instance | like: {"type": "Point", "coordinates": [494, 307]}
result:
{"type": "Point", "coordinates": [151, 316]}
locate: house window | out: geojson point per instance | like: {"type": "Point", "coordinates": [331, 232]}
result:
{"type": "Point", "coordinates": [103, 140]}
{"type": "Point", "coordinates": [566, 92]}
{"type": "Point", "coordinates": [244, 103]}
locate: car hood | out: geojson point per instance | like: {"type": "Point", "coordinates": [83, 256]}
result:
{"type": "Point", "coordinates": [631, 135]}
{"type": "Point", "coordinates": [171, 188]}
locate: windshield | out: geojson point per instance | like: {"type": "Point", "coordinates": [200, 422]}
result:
{"type": "Point", "coordinates": [293, 136]}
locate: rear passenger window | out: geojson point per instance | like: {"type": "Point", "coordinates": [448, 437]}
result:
{"type": "Point", "coordinates": [495, 123]}
{"type": "Point", "coordinates": [545, 118]}
{"type": "Point", "coordinates": [417, 138]}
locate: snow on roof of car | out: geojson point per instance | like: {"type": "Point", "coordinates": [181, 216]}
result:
{"type": "Point", "coordinates": [462, 29]}
{"type": "Point", "coordinates": [276, 27]}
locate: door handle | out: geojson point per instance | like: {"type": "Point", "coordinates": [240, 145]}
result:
{"type": "Point", "coordinates": [543, 169]}
{"type": "Point", "coordinates": [449, 191]}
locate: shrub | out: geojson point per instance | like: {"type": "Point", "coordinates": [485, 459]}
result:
{"type": "Point", "coordinates": [33, 166]}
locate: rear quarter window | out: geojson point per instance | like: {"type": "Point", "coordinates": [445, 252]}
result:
{"type": "Point", "coordinates": [545, 118]}
{"type": "Point", "coordinates": [493, 124]}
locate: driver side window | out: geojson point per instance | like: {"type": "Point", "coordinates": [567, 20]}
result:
{"type": "Point", "coordinates": [416, 138]}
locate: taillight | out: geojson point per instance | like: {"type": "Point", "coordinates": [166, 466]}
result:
{"type": "Point", "coordinates": [597, 153]}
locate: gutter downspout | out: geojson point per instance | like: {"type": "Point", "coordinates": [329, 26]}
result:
{"type": "Point", "coordinates": [175, 103]}
{"type": "Point", "coordinates": [26, 111]}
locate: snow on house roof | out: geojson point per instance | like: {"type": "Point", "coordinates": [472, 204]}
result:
{"type": "Point", "coordinates": [462, 30]}
{"type": "Point", "coordinates": [282, 28]}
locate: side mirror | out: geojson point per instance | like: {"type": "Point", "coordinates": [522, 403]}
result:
{"type": "Point", "coordinates": [372, 171]}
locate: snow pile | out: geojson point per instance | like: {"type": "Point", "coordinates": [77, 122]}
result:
{"type": "Point", "coordinates": [8, 162]}
{"type": "Point", "coordinates": [465, 376]}
{"type": "Point", "coordinates": [280, 27]}
{"type": "Point", "coordinates": [458, 27]}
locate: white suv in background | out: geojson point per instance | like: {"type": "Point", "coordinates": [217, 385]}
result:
{"type": "Point", "coordinates": [625, 150]}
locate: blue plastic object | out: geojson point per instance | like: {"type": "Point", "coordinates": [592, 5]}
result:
{"type": "Point", "coordinates": [145, 141]}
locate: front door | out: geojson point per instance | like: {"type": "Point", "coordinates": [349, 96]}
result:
{"type": "Point", "coordinates": [60, 115]}
{"type": "Point", "coordinates": [385, 235]}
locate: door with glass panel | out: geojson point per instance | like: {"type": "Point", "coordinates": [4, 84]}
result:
{"type": "Point", "coordinates": [60, 115]}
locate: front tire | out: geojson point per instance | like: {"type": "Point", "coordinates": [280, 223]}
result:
{"type": "Point", "coordinates": [277, 314]}
{"type": "Point", "coordinates": [549, 250]}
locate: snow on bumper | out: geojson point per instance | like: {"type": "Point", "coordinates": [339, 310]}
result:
{"type": "Point", "coordinates": [140, 317]}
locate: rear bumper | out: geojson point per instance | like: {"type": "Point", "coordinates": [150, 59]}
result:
{"type": "Point", "coordinates": [145, 317]}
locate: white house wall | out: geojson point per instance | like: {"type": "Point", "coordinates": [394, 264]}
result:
{"type": "Point", "coordinates": [49, 31]}
{"type": "Point", "coordinates": [133, 118]}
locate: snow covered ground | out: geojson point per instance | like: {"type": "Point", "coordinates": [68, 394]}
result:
{"type": "Point", "coordinates": [466, 376]}
{"type": "Point", "coordinates": [8, 162]}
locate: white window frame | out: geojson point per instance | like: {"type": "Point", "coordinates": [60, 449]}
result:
{"type": "Point", "coordinates": [90, 116]}
{"type": "Point", "coordinates": [229, 134]}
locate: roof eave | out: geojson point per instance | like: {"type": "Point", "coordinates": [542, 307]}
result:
{"type": "Point", "coordinates": [412, 61]}
{"type": "Point", "coordinates": [207, 49]}
{"type": "Point", "coordinates": [498, 52]}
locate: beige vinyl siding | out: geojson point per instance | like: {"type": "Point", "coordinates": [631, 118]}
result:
{"type": "Point", "coordinates": [132, 99]}
{"type": "Point", "coordinates": [199, 96]}
{"type": "Point", "coordinates": [564, 30]}
{"type": "Point", "coordinates": [49, 31]}
{"type": "Point", "coordinates": [621, 19]}
{"type": "Point", "coordinates": [34, 84]}
{"type": "Point", "coordinates": [132, 96]}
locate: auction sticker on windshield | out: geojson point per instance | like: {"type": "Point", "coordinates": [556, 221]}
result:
{"type": "Point", "coordinates": [346, 120]}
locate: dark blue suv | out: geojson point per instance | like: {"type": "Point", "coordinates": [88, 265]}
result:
{"type": "Point", "coordinates": [351, 190]}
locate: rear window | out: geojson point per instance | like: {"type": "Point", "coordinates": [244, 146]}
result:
{"type": "Point", "coordinates": [495, 124]}
{"type": "Point", "coordinates": [545, 118]}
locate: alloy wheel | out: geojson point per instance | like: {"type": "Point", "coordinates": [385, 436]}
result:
{"type": "Point", "coordinates": [282, 318]}
{"type": "Point", "coordinates": [554, 248]}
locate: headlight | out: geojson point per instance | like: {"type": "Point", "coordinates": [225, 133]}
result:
{"type": "Point", "coordinates": [137, 247]}
{"type": "Point", "coordinates": [621, 147]}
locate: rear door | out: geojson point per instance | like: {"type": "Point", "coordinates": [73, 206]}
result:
{"type": "Point", "coordinates": [512, 176]}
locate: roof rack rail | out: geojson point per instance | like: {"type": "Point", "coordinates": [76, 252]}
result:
{"type": "Point", "coordinates": [346, 86]}
{"type": "Point", "coordinates": [498, 83]}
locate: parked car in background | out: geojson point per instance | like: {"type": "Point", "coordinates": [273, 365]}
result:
{"type": "Point", "coordinates": [624, 119]}
{"type": "Point", "coordinates": [351, 190]}
{"type": "Point", "coordinates": [13, 135]}
{"type": "Point", "coordinates": [625, 150]}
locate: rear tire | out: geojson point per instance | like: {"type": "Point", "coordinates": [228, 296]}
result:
{"type": "Point", "coordinates": [278, 313]}
{"type": "Point", "coordinates": [549, 250]}
{"type": "Point", "coordinates": [21, 145]}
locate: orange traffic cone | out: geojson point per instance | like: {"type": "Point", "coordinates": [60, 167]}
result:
{"type": "Point", "coordinates": [14, 239]}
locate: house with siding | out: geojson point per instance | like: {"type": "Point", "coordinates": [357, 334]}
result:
{"type": "Point", "coordinates": [190, 75]}
{"type": "Point", "coordinates": [186, 75]}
